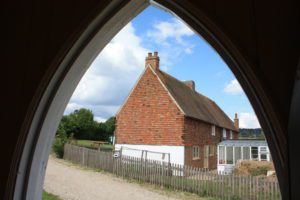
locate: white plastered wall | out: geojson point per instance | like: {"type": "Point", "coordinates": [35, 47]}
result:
{"type": "Point", "coordinates": [176, 152]}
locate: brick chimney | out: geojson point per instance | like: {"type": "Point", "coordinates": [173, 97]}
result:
{"type": "Point", "coordinates": [153, 60]}
{"type": "Point", "coordinates": [190, 84]}
{"type": "Point", "coordinates": [236, 121]}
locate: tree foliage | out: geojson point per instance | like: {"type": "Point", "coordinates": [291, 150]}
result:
{"type": "Point", "coordinates": [59, 141]}
{"type": "Point", "coordinates": [252, 133]}
{"type": "Point", "coordinates": [81, 125]}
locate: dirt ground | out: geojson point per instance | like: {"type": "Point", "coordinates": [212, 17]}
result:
{"type": "Point", "coordinates": [71, 182]}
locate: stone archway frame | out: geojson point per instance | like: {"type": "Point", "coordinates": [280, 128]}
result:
{"type": "Point", "coordinates": [33, 161]}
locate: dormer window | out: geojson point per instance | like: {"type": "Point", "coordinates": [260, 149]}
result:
{"type": "Point", "coordinates": [213, 130]}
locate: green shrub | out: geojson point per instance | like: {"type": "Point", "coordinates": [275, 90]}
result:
{"type": "Point", "coordinates": [59, 142]}
{"type": "Point", "coordinates": [259, 171]}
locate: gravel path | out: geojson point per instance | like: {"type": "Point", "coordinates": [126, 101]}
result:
{"type": "Point", "coordinates": [72, 183]}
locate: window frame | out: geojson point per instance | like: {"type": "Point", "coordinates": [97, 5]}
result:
{"type": "Point", "coordinates": [231, 135]}
{"type": "Point", "coordinates": [224, 133]}
{"type": "Point", "coordinates": [254, 153]}
{"type": "Point", "coordinates": [213, 130]}
{"type": "Point", "coordinates": [196, 150]}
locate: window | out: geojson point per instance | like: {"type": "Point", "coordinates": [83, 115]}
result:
{"type": "Point", "coordinates": [211, 150]}
{"type": "Point", "coordinates": [196, 152]}
{"type": "Point", "coordinates": [263, 153]}
{"type": "Point", "coordinates": [246, 153]}
{"type": "Point", "coordinates": [254, 153]}
{"type": "Point", "coordinates": [237, 154]}
{"type": "Point", "coordinates": [229, 155]}
{"type": "Point", "coordinates": [221, 155]}
{"type": "Point", "coordinates": [231, 135]}
{"type": "Point", "coordinates": [213, 130]}
{"type": "Point", "coordinates": [224, 133]}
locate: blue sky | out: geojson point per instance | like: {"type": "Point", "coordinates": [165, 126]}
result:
{"type": "Point", "coordinates": [183, 54]}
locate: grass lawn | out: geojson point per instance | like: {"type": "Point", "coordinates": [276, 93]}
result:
{"type": "Point", "coordinates": [90, 144]}
{"type": "Point", "coordinates": [49, 196]}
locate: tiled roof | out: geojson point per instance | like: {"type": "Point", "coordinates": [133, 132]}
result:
{"type": "Point", "coordinates": [194, 104]}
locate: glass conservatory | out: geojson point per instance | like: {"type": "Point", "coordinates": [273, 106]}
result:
{"type": "Point", "coordinates": [230, 151]}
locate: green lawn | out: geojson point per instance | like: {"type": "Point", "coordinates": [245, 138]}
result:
{"type": "Point", "coordinates": [90, 144]}
{"type": "Point", "coordinates": [49, 196]}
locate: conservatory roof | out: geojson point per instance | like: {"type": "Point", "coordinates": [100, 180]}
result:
{"type": "Point", "coordinates": [244, 143]}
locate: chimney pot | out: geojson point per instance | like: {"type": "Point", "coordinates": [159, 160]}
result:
{"type": "Point", "coordinates": [152, 60]}
{"type": "Point", "coordinates": [190, 84]}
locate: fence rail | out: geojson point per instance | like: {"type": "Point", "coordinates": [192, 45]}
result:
{"type": "Point", "coordinates": [191, 179]}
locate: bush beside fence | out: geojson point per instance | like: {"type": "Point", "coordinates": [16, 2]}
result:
{"type": "Point", "coordinates": [191, 179]}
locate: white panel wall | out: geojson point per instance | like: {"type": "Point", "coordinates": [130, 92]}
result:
{"type": "Point", "coordinates": [176, 152]}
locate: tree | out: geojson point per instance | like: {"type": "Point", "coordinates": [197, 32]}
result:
{"type": "Point", "coordinates": [110, 126]}
{"type": "Point", "coordinates": [81, 125]}
{"type": "Point", "coordinates": [59, 141]}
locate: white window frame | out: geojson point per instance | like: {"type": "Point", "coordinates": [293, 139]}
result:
{"type": "Point", "coordinates": [231, 135]}
{"type": "Point", "coordinates": [213, 130]}
{"type": "Point", "coordinates": [263, 150]}
{"type": "Point", "coordinates": [196, 152]}
{"type": "Point", "coordinates": [224, 133]}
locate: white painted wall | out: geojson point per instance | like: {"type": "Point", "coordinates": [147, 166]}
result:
{"type": "Point", "coordinates": [176, 152]}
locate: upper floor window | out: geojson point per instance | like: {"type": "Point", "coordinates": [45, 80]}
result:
{"type": "Point", "coordinates": [231, 135]}
{"type": "Point", "coordinates": [196, 152]}
{"type": "Point", "coordinates": [224, 133]}
{"type": "Point", "coordinates": [213, 130]}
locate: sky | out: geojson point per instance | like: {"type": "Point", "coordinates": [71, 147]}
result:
{"type": "Point", "coordinates": [183, 54]}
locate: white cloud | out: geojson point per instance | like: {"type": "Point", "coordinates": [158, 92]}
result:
{"type": "Point", "coordinates": [248, 120]}
{"type": "Point", "coordinates": [109, 79]}
{"type": "Point", "coordinates": [99, 119]}
{"type": "Point", "coordinates": [233, 87]}
{"type": "Point", "coordinates": [173, 40]}
{"type": "Point", "coordinates": [174, 29]}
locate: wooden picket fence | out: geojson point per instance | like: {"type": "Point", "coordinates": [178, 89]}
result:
{"type": "Point", "coordinates": [191, 179]}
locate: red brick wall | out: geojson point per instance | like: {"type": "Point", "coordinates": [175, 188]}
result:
{"type": "Point", "coordinates": [235, 135]}
{"type": "Point", "coordinates": [149, 116]}
{"type": "Point", "coordinates": [198, 133]}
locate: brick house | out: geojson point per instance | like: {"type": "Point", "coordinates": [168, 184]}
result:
{"type": "Point", "coordinates": [163, 114]}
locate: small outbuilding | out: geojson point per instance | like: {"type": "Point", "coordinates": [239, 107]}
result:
{"type": "Point", "coordinates": [231, 151]}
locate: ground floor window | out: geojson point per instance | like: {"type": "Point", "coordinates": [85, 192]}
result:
{"type": "Point", "coordinates": [246, 153]}
{"type": "Point", "coordinates": [254, 153]}
{"type": "Point", "coordinates": [237, 154]}
{"type": "Point", "coordinates": [196, 152]}
{"type": "Point", "coordinates": [263, 153]}
{"type": "Point", "coordinates": [229, 155]}
{"type": "Point", "coordinates": [221, 154]}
